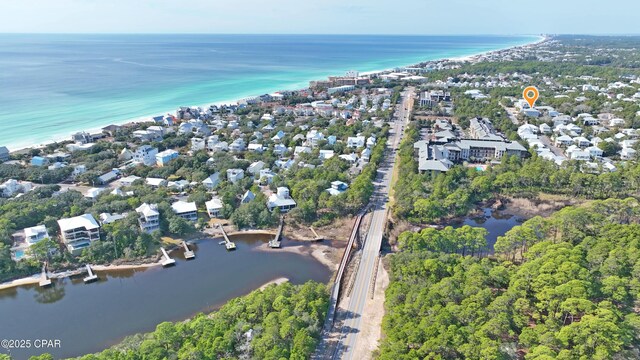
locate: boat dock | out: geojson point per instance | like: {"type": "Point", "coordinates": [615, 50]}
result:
{"type": "Point", "coordinates": [167, 260]}
{"type": "Point", "coordinates": [188, 254]}
{"type": "Point", "coordinates": [276, 243]}
{"type": "Point", "coordinates": [91, 277]}
{"type": "Point", "coordinates": [44, 278]}
{"type": "Point", "coordinates": [227, 243]}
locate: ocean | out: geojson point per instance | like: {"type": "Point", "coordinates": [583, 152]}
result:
{"type": "Point", "coordinates": [53, 85]}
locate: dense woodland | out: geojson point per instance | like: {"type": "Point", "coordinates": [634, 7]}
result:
{"type": "Point", "coordinates": [280, 322]}
{"type": "Point", "coordinates": [564, 287]}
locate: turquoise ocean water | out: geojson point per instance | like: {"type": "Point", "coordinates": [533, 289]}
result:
{"type": "Point", "coordinates": [52, 85]}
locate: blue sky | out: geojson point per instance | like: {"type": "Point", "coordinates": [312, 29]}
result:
{"type": "Point", "coordinates": [321, 17]}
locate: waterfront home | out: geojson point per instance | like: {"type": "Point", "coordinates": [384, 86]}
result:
{"type": "Point", "coordinates": [212, 181]}
{"type": "Point", "coordinates": [235, 175]}
{"type": "Point", "coordinates": [4, 154]}
{"type": "Point", "coordinates": [247, 197]}
{"type": "Point", "coordinates": [81, 138]}
{"type": "Point", "coordinates": [164, 157]}
{"type": "Point", "coordinates": [146, 155]}
{"type": "Point", "coordinates": [337, 188]}
{"type": "Point", "coordinates": [35, 234]}
{"type": "Point", "coordinates": [156, 182]}
{"type": "Point", "coordinates": [79, 232]}
{"type": "Point", "coordinates": [39, 161]}
{"type": "Point", "coordinates": [148, 217]}
{"type": "Point", "coordinates": [281, 200]}
{"type": "Point", "coordinates": [214, 207]}
{"type": "Point", "coordinates": [80, 147]}
{"type": "Point", "coordinates": [255, 167]}
{"type": "Point", "coordinates": [129, 180]}
{"type": "Point", "coordinates": [25, 238]}
{"type": "Point", "coordinates": [185, 210]}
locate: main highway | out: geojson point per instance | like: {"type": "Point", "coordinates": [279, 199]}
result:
{"type": "Point", "coordinates": [349, 315]}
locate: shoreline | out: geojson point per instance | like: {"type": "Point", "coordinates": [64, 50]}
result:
{"type": "Point", "coordinates": [145, 118]}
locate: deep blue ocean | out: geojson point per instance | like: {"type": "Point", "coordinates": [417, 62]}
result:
{"type": "Point", "coordinates": [52, 85]}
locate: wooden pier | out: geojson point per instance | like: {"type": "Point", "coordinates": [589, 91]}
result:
{"type": "Point", "coordinates": [44, 278]}
{"type": "Point", "coordinates": [230, 245]}
{"type": "Point", "coordinates": [188, 254]}
{"type": "Point", "coordinates": [317, 237]}
{"type": "Point", "coordinates": [167, 260]}
{"type": "Point", "coordinates": [91, 277]}
{"type": "Point", "coordinates": [276, 243]}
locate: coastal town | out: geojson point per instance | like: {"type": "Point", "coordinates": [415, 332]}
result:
{"type": "Point", "coordinates": [449, 138]}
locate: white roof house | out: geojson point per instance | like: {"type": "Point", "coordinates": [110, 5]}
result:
{"type": "Point", "coordinates": [214, 206]}
{"type": "Point", "coordinates": [255, 167]}
{"type": "Point", "coordinates": [186, 210]}
{"type": "Point", "coordinates": [149, 218]}
{"type": "Point", "coordinates": [356, 142]}
{"type": "Point", "coordinates": [35, 234]}
{"type": "Point", "coordinates": [79, 232]}
{"type": "Point", "coordinates": [281, 200]}
{"type": "Point", "coordinates": [235, 175]}
{"type": "Point", "coordinates": [156, 182]}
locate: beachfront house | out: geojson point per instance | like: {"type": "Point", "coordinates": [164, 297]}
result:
{"type": "Point", "coordinates": [164, 157]}
{"type": "Point", "coordinates": [79, 232]}
{"type": "Point", "coordinates": [185, 210]}
{"type": "Point", "coordinates": [4, 154]}
{"type": "Point", "coordinates": [281, 200]}
{"type": "Point", "coordinates": [149, 217]}
{"type": "Point", "coordinates": [214, 207]}
{"type": "Point", "coordinates": [39, 161]}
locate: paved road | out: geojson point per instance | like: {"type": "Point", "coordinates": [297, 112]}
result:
{"type": "Point", "coordinates": [351, 314]}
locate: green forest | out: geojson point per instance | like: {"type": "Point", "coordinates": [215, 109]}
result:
{"type": "Point", "coordinates": [563, 287]}
{"type": "Point", "coordinates": [279, 322]}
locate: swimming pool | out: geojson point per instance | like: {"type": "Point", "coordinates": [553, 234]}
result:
{"type": "Point", "coordinates": [19, 254]}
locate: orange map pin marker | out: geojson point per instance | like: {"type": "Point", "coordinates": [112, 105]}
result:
{"type": "Point", "coordinates": [531, 94]}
